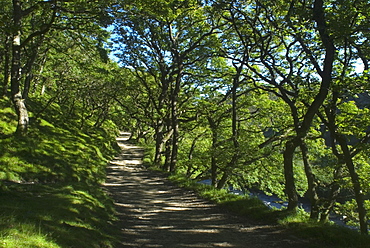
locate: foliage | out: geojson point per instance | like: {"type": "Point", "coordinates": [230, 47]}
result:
{"type": "Point", "coordinates": [242, 205]}
{"type": "Point", "coordinates": [328, 235]}
{"type": "Point", "coordinates": [56, 215]}
{"type": "Point", "coordinates": [258, 94]}
{"type": "Point", "coordinates": [252, 94]}
{"type": "Point", "coordinates": [50, 194]}
{"type": "Point", "coordinates": [298, 223]}
{"type": "Point", "coordinates": [54, 154]}
{"type": "Point", "coordinates": [349, 212]}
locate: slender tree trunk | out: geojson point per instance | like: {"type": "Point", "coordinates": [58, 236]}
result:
{"type": "Point", "coordinates": [223, 180]}
{"type": "Point", "coordinates": [214, 169]}
{"type": "Point", "coordinates": [190, 168]}
{"type": "Point", "coordinates": [359, 197]}
{"type": "Point", "coordinates": [290, 188]}
{"type": "Point", "coordinates": [158, 143]}
{"type": "Point", "coordinates": [334, 192]}
{"type": "Point", "coordinates": [312, 185]}
{"type": "Point", "coordinates": [331, 110]}
{"type": "Point", "coordinates": [165, 148]}
{"type": "Point", "coordinates": [193, 144]}
{"type": "Point", "coordinates": [28, 69]}
{"type": "Point", "coordinates": [16, 73]}
{"type": "Point", "coordinates": [326, 78]}
{"type": "Point", "coordinates": [345, 158]}
{"type": "Point", "coordinates": [175, 145]}
{"type": "Point", "coordinates": [175, 119]}
{"type": "Point", "coordinates": [227, 171]}
{"type": "Point", "coordinates": [167, 162]}
{"type": "Point", "coordinates": [234, 120]}
{"type": "Point", "coordinates": [6, 69]}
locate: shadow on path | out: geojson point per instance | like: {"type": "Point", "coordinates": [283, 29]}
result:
{"type": "Point", "coordinates": [153, 212]}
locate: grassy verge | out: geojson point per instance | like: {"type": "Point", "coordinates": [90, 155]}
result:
{"type": "Point", "coordinates": [50, 194]}
{"type": "Point", "coordinates": [55, 216]}
{"type": "Point", "coordinates": [322, 235]}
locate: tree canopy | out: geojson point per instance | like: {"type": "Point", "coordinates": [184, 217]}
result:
{"type": "Point", "coordinates": [255, 95]}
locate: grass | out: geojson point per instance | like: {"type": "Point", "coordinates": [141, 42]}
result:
{"type": "Point", "coordinates": [25, 236]}
{"type": "Point", "coordinates": [56, 216]}
{"type": "Point", "coordinates": [50, 194]}
{"type": "Point", "coordinates": [242, 205]}
{"type": "Point", "coordinates": [298, 223]}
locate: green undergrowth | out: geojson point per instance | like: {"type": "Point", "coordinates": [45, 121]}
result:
{"type": "Point", "coordinates": [243, 205]}
{"type": "Point", "coordinates": [54, 150]}
{"type": "Point", "coordinates": [50, 193]}
{"type": "Point", "coordinates": [57, 215]}
{"type": "Point", "coordinates": [298, 223]}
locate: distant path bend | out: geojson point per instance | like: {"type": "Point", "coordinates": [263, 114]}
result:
{"type": "Point", "coordinates": [155, 213]}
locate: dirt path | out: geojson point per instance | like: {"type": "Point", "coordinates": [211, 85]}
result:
{"type": "Point", "coordinates": [155, 213]}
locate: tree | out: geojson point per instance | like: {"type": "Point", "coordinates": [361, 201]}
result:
{"type": "Point", "coordinates": [170, 42]}
{"type": "Point", "coordinates": [87, 85]}
{"type": "Point", "coordinates": [5, 47]}
{"type": "Point", "coordinates": [31, 22]}
{"type": "Point", "coordinates": [275, 37]}
{"type": "Point", "coordinates": [345, 120]}
{"type": "Point", "coordinates": [347, 123]}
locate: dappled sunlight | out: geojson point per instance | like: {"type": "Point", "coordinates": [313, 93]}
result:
{"type": "Point", "coordinates": [66, 212]}
{"type": "Point", "coordinates": [197, 231]}
{"type": "Point", "coordinates": [112, 184]}
{"type": "Point", "coordinates": [155, 213]}
{"type": "Point", "coordinates": [131, 155]}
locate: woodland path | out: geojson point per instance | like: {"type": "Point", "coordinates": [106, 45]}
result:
{"type": "Point", "coordinates": [153, 212]}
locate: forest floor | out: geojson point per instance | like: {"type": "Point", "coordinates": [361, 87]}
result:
{"type": "Point", "coordinates": [153, 212]}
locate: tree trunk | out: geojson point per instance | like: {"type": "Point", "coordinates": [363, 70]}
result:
{"type": "Point", "coordinates": [28, 69]}
{"type": "Point", "coordinates": [228, 170]}
{"type": "Point", "coordinates": [234, 130]}
{"type": "Point", "coordinates": [193, 144]}
{"type": "Point", "coordinates": [175, 144]}
{"type": "Point", "coordinates": [164, 147]}
{"type": "Point", "coordinates": [6, 80]}
{"type": "Point", "coordinates": [303, 128]}
{"type": "Point", "coordinates": [167, 161]}
{"type": "Point", "coordinates": [16, 73]}
{"type": "Point", "coordinates": [158, 143]}
{"type": "Point", "coordinates": [213, 127]}
{"type": "Point", "coordinates": [312, 185]}
{"type": "Point", "coordinates": [22, 113]}
{"type": "Point", "coordinates": [175, 117]}
{"type": "Point", "coordinates": [355, 183]}
{"type": "Point", "coordinates": [290, 188]}
{"type": "Point", "coordinates": [213, 171]}
{"type": "Point", "coordinates": [223, 180]}
{"type": "Point", "coordinates": [334, 192]}
{"type": "Point", "coordinates": [190, 168]}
